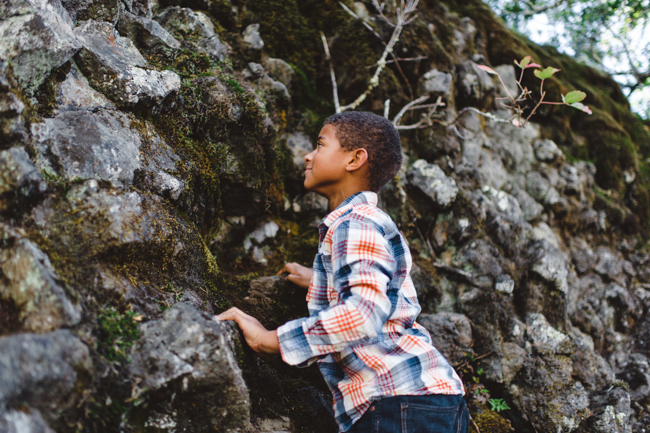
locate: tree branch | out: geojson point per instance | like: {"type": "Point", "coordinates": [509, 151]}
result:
{"type": "Point", "coordinates": [335, 89]}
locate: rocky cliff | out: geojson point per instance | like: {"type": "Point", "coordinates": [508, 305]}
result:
{"type": "Point", "coordinates": [150, 177]}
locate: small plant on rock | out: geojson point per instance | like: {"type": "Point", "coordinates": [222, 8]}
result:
{"type": "Point", "coordinates": [498, 404]}
{"type": "Point", "coordinates": [117, 333]}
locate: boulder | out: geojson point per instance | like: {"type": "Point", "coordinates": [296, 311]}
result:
{"type": "Point", "coordinates": [32, 287]}
{"type": "Point", "coordinates": [300, 145]}
{"type": "Point", "coordinates": [475, 86]}
{"type": "Point", "coordinates": [549, 263]}
{"type": "Point", "coordinates": [547, 151]}
{"type": "Point", "coordinates": [24, 420]}
{"type": "Point", "coordinates": [611, 412]}
{"type": "Point", "coordinates": [530, 209]}
{"type": "Point", "coordinates": [436, 83]}
{"type": "Point", "coordinates": [451, 333]}
{"type": "Point", "coordinates": [279, 70]}
{"type": "Point", "coordinates": [148, 35]}
{"type": "Point", "coordinates": [185, 368]}
{"type": "Point", "coordinates": [98, 10]}
{"type": "Point", "coordinates": [482, 259]}
{"type": "Point", "coordinates": [12, 125]}
{"type": "Point", "coordinates": [432, 181]}
{"type": "Point", "coordinates": [589, 367]}
{"type": "Point", "coordinates": [252, 38]}
{"type": "Point", "coordinates": [74, 93]}
{"type": "Point", "coordinates": [184, 23]}
{"type": "Point", "coordinates": [117, 69]}
{"type": "Point", "coordinates": [272, 90]}
{"type": "Point", "coordinates": [20, 181]}
{"type": "Point", "coordinates": [541, 190]}
{"type": "Point", "coordinates": [36, 37]}
{"type": "Point", "coordinates": [43, 371]}
{"type": "Point", "coordinates": [103, 145]}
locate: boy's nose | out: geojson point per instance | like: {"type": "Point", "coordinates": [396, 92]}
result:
{"type": "Point", "coordinates": [309, 156]}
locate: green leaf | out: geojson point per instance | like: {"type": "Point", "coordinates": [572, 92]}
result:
{"type": "Point", "coordinates": [524, 62]}
{"type": "Point", "coordinates": [498, 404]}
{"type": "Point", "coordinates": [573, 97]}
{"type": "Point", "coordinates": [487, 69]}
{"type": "Point", "coordinates": [543, 74]}
{"type": "Point", "coordinates": [581, 107]}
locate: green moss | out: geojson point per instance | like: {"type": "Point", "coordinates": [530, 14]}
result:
{"type": "Point", "coordinates": [117, 333]}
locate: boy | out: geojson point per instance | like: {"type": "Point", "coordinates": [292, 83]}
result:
{"type": "Point", "coordinates": [384, 374]}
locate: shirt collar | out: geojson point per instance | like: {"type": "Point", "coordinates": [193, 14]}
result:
{"type": "Point", "coordinates": [355, 199]}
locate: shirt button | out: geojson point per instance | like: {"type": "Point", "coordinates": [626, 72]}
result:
{"type": "Point", "coordinates": [372, 409]}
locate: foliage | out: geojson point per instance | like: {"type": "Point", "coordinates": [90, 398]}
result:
{"type": "Point", "coordinates": [607, 34]}
{"type": "Point", "coordinates": [498, 404]}
{"type": "Point", "coordinates": [117, 331]}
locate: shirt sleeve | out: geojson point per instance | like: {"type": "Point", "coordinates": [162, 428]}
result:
{"type": "Point", "coordinates": [362, 267]}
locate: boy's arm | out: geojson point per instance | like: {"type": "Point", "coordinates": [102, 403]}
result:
{"type": "Point", "coordinates": [362, 266]}
{"type": "Point", "coordinates": [257, 336]}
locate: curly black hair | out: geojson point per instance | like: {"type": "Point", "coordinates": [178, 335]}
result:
{"type": "Point", "coordinates": [376, 134]}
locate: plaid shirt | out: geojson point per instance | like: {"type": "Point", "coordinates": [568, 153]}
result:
{"type": "Point", "coordinates": [362, 304]}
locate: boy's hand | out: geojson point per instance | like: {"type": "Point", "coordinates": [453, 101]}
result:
{"type": "Point", "coordinates": [298, 275]}
{"type": "Point", "coordinates": [256, 335]}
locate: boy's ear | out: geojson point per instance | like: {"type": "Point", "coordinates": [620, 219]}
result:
{"type": "Point", "coordinates": [358, 157]}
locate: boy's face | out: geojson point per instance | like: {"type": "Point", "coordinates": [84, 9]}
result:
{"type": "Point", "coordinates": [326, 165]}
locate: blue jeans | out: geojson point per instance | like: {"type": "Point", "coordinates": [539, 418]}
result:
{"type": "Point", "coordinates": [415, 414]}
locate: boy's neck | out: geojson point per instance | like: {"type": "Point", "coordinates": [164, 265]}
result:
{"type": "Point", "coordinates": [340, 195]}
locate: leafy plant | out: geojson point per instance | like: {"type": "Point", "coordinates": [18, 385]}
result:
{"type": "Point", "coordinates": [571, 99]}
{"type": "Point", "coordinates": [117, 333]}
{"type": "Point", "coordinates": [498, 404]}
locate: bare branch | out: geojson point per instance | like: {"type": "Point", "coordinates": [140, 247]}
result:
{"type": "Point", "coordinates": [335, 89]}
{"type": "Point", "coordinates": [386, 108]}
{"type": "Point", "coordinates": [380, 11]}
{"type": "Point", "coordinates": [407, 107]}
{"type": "Point", "coordinates": [427, 120]}
{"type": "Point", "coordinates": [402, 17]}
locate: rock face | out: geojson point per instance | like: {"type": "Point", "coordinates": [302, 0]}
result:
{"type": "Point", "coordinates": [183, 360]}
{"type": "Point", "coordinates": [36, 36]}
{"type": "Point", "coordinates": [151, 175]}
{"type": "Point", "coordinates": [41, 372]}
{"type": "Point", "coordinates": [116, 68]}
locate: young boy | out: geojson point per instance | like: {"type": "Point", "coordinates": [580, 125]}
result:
{"type": "Point", "coordinates": [384, 374]}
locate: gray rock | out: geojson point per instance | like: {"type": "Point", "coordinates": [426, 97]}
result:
{"type": "Point", "coordinates": [252, 37]}
{"type": "Point", "coordinates": [507, 73]}
{"type": "Point", "coordinates": [116, 68]}
{"type": "Point", "coordinates": [504, 366]}
{"type": "Point", "coordinates": [24, 420]}
{"type": "Point", "coordinates": [474, 84]}
{"type": "Point", "coordinates": [541, 190]}
{"type": "Point", "coordinates": [582, 255]}
{"type": "Point", "coordinates": [589, 367]}
{"type": "Point", "coordinates": [549, 263]}
{"type": "Point", "coordinates": [143, 8]}
{"type": "Point", "coordinates": [31, 284]}
{"type": "Point", "coordinates": [504, 283]}
{"type": "Point", "coordinates": [43, 371]}
{"type": "Point", "coordinates": [530, 209]}
{"type": "Point", "coordinates": [148, 35]}
{"type": "Point", "coordinates": [311, 202]}
{"type": "Point", "coordinates": [608, 263]}
{"type": "Point", "coordinates": [98, 10]}
{"type": "Point", "coordinates": [87, 145]}
{"type": "Point", "coordinates": [12, 125]}
{"type": "Point", "coordinates": [256, 74]}
{"type": "Point", "coordinates": [265, 230]}
{"type": "Point", "coordinates": [432, 181]}
{"type": "Point", "coordinates": [279, 70]}
{"type": "Point", "coordinates": [74, 93]}
{"type": "Point", "coordinates": [482, 259]}
{"type": "Point", "coordinates": [104, 145]}
{"type": "Point", "coordinates": [36, 37]}
{"type": "Point", "coordinates": [514, 145]}
{"type": "Point", "coordinates": [20, 181]}
{"type": "Point", "coordinates": [187, 373]}
{"type": "Point", "coordinates": [214, 47]}
{"type": "Point", "coordinates": [634, 368]}
{"type": "Point", "coordinates": [300, 146]}
{"type": "Point", "coordinates": [545, 338]}
{"type": "Point", "coordinates": [451, 333]}
{"type": "Point", "coordinates": [436, 83]}
{"type": "Point", "coordinates": [504, 203]}
{"type": "Point", "coordinates": [185, 23]}
{"type": "Point", "coordinates": [611, 412]}
{"type": "Point", "coordinates": [547, 151]}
